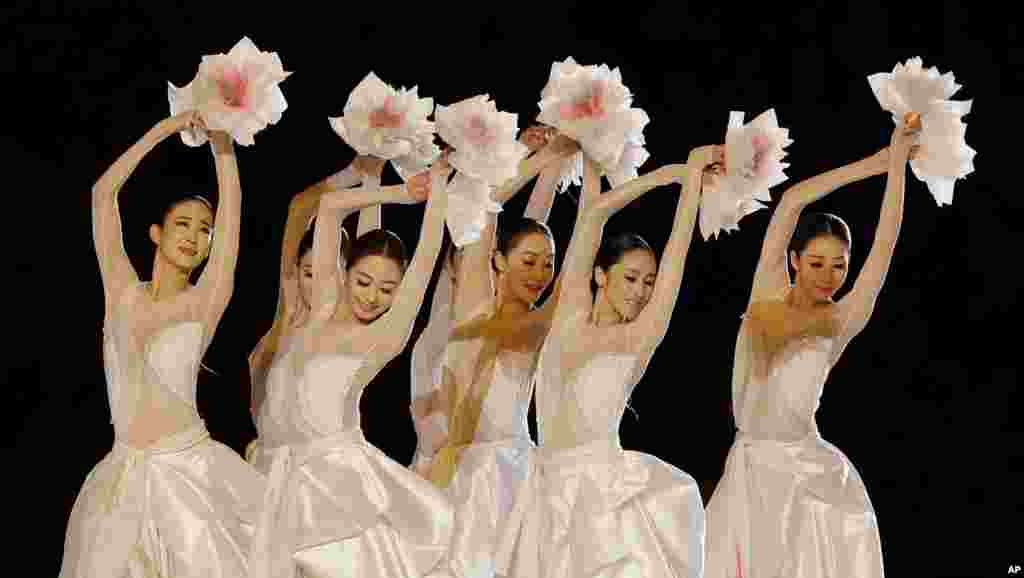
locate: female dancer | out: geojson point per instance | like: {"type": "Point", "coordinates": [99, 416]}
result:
{"type": "Point", "coordinates": [167, 500]}
{"type": "Point", "coordinates": [591, 508]}
{"type": "Point", "coordinates": [789, 503]}
{"type": "Point", "coordinates": [483, 383]}
{"type": "Point", "coordinates": [337, 506]}
{"type": "Point", "coordinates": [296, 288]}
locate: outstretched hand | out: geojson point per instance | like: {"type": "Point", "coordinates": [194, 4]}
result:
{"type": "Point", "coordinates": [903, 136]}
{"type": "Point", "coordinates": [536, 137]}
{"type": "Point", "coordinates": [418, 187]}
{"type": "Point", "coordinates": [188, 120]}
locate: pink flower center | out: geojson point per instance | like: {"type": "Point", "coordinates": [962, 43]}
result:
{"type": "Point", "coordinates": [592, 106]}
{"type": "Point", "coordinates": [477, 131]}
{"type": "Point", "coordinates": [233, 86]}
{"type": "Point", "coordinates": [761, 145]}
{"type": "Point", "coordinates": [385, 117]}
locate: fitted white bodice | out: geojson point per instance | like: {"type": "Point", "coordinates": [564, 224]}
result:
{"type": "Point", "coordinates": [152, 354]}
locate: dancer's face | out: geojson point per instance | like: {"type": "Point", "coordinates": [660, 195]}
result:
{"type": "Point", "coordinates": [184, 238]}
{"type": "Point", "coordinates": [528, 268]}
{"type": "Point", "coordinates": [821, 268]}
{"type": "Point", "coordinates": [306, 278]}
{"type": "Point", "coordinates": [627, 285]}
{"type": "Point", "coordinates": [371, 284]}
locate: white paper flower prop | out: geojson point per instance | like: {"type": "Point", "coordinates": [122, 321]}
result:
{"type": "Point", "coordinates": [591, 105]}
{"type": "Point", "coordinates": [753, 159]}
{"type": "Point", "coordinates": [236, 92]}
{"type": "Point", "coordinates": [486, 154]}
{"type": "Point", "coordinates": [943, 155]}
{"type": "Point", "coordinates": [754, 154]}
{"type": "Point", "coordinates": [721, 210]}
{"type": "Point", "coordinates": [469, 201]}
{"type": "Point", "coordinates": [390, 124]}
{"type": "Point", "coordinates": [633, 156]}
{"type": "Point", "coordinates": [911, 88]}
{"type": "Point", "coordinates": [483, 137]}
{"type": "Point", "coordinates": [424, 152]}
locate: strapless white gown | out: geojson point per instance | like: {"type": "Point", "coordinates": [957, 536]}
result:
{"type": "Point", "coordinates": [789, 503]}
{"type": "Point", "coordinates": [589, 508]}
{"type": "Point", "coordinates": [492, 469]}
{"type": "Point", "coordinates": [184, 506]}
{"type": "Point", "coordinates": [335, 504]}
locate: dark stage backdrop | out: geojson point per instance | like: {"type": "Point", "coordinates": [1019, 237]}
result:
{"type": "Point", "coordinates": [925, 401]}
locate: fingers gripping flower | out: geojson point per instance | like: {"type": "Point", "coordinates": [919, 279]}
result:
{"type": "Point", "coordinates": [943, 155]}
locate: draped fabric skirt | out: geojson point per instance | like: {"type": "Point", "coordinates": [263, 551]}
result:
{"type": "Point", "coordinates": [487, 478]}
{"type": "Point", "coordinates": [599, 511]}
{"type": "Point", "coordinates": [259, 456]}
{"type": "Point", "coordinates": [796, 509]}
{"type": "Point", "coordinates": [337, 506]}
{"type": "Point", "coordinates": [185, 506]}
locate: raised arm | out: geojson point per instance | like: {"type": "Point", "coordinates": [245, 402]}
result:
{"type": "Point", "coordinates": [218, 280]}
{"type": "Point", "coordinates": [115, 268]}
{"type": "Point", "coordinates": [558, 149]}
{"type": "Point", "coordinates": [474, 283]}
{"type": "Point", "coordinates": [574, 292]}
{"type": "Point", "coordinates": [301, 210]}
{"type": "Point", "coordinates": [538, 207]}
{"type": "Point", "coordinates": [396, 325]}
{"type": "Point", "coordinates": [771, 276]}
{"type": "Point", "coordinates": [650, 326]}
{"type": "Point", "coordinates": [369, 217]}
{"type": "Point", "coordinates": [539, 320]}
{"type": "Point", "coordinates": [335, 206]}
{"type": "Point", "coordinates": [856, 308]}
{"type": "Point", "coordinates": [473, 279]}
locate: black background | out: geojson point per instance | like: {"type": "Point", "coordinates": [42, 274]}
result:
{"type": "Point", "coordinates": [923, 401]}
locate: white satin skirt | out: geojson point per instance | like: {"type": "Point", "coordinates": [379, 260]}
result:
{"type": "Point", "coordinates": [795, 509]}
{"type": "Point", "coordinates": [338, 506]}
{"type": "Point", "coordinates": [599, 511]}
{"type": "Point", "coordinates": [259, 456]}
{"type": "Point", "coordinates": [186, 506]}
{"type": "Point", "coordinates": [483, 492]}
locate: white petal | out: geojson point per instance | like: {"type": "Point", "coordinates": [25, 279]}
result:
{"type": "Point", "coordinates": [404, 145]}
{"type": "Point", "coordinates": [943, 155]}
{"type": "Point", "coordinates": [604, 137]}
{"type": "Point", "coordinates": [182, 100]}
{"type": "Point", "coordinates": [469, 201]}
{"type": "Point", "coordinates": [911, 88]}
{"type": "Point", "coordinates": [265, 103]}
{"type": "Point", "coordinates": [745, 178]}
